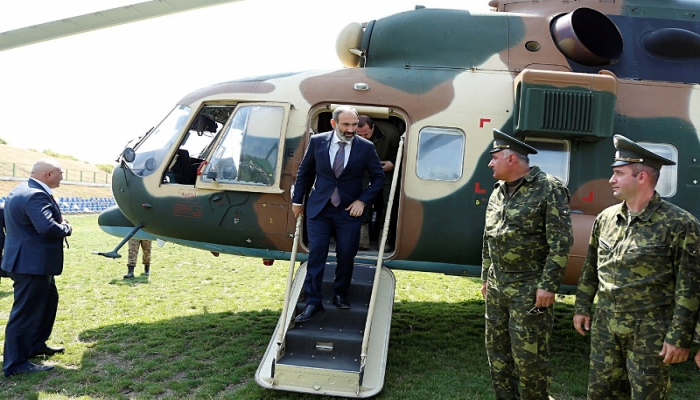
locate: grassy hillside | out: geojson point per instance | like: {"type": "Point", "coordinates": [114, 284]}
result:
{"type": "Point", "coordinates": [23, 158]}
{"type": "Point", "coordinates": [12, 154]}
{"type": "Point", "coordinates": [64, 190]}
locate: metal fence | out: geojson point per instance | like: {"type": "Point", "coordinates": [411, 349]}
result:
{"type": "Point", "coordinates": [16, 170]}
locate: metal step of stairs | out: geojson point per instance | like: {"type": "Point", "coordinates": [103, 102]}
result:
{"type": "Point", "coordinates": [322, 356]}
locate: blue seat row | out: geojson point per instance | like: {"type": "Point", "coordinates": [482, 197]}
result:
{"type": "Point", "coordinates": [80, 204]}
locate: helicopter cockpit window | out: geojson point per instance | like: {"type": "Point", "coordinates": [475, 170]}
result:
{"type": "Point", "coordinates": [440, 154]}
{"type": "Point", "coordinates": [668, 180]}
{"type": "Point", "coordinates": [247, 153]}
{"type": "Point", "coordinates": [553, 157]}
{"type": "Point", "coordinates": [152, 150]}
{"type": "Point", "coordinates": [197, 143]}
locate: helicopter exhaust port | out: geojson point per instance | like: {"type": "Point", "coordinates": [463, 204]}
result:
{"type": "Point", "coordinates": [588, 37]}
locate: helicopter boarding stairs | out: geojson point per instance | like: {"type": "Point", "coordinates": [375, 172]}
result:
{"type": "Point", "coordinates": [339, 352]}
{"type": "Point", "coordinates": [324, 355]}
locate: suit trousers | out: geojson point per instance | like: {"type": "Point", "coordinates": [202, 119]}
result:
{"type": "Point", "coordinates": [31, 319]}
{"type": "Point", "coordinates": [331, 220]}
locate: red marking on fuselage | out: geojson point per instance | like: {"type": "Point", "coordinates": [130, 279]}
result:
{"type": "Point", "coordinates": [482, 121]}
{"type": "Point", "coordinates": [187, 210]}
{"type": "Point", "coordinates": [478, 189]}
{"type": "Point", "coordinates": [589, 198]}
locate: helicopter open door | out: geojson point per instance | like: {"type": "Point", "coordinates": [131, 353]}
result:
{"type": "Point", "coordinates": [390, 125]}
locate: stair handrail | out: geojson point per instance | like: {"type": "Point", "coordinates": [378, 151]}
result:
{"type": "Point", "coordinates": [380, 256]}
{"type": "Point", "coordinates": [282, 331]}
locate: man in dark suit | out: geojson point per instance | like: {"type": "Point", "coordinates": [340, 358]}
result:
{"type": "Point", "coordinates": [332, 171]}
{"type": "Point", "coordinates": [2, 236]}
{"type": "Point", "coordinates": [33, 256]}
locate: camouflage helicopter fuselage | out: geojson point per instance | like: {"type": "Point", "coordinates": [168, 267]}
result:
{"type": "Point", "coordinates": [446, 78]}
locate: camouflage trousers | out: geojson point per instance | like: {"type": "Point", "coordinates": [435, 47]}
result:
{"type": "Point", "coordinates": [517, 341]}
{"type": "Point", "coordinates": [134, 252]}
{"type": "Point", "coordinates": [625, 361]}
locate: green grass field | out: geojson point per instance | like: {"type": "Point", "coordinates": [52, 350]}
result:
{"type": "Point", "coordinates": [199, 325]}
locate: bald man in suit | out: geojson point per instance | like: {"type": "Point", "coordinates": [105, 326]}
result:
{"type": "Point", "coordinates": [33, 256]}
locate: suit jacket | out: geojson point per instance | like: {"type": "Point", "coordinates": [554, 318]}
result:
{"type": "Point", "coordinates": [2, 232]}
{"type": "Point", "coordinates": [2, 229]}
{"type": "Point", "coordinates": [316, 175]}
{"type": "Point", "coordinates": [34, 241]}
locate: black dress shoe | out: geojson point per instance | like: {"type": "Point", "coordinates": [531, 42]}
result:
{"type": "Point", "coordinates": [47, 351]}
{"type": "Point", "coordinates": [29, 369]}
{"type": "Point", "coordinates": [309, 312]}
{"type": "Point", "coordinates": [341, 302]}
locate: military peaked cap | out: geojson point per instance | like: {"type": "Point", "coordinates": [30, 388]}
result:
{"type": "Point", "coordinates": [629, 152]}
{"type": "Point", "coordinates": [501, 141]}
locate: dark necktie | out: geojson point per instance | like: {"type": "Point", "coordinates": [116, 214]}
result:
{"type": "Point", "coordinates": [338, 165]}
{"type": "Point", "coordinates": [65, 238]}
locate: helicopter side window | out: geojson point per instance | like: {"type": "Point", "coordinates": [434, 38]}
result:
{"type": "Point", "coordinates": [248, 151]}
{"type": "Point", "coordinates": [668, 180]}
{"type": "Point", "coordinates": [440, 154]}
{"type": "Point", "coordinates": [553, 157]}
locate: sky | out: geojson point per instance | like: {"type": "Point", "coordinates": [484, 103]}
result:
{"type": "Point", "coordinates": [88, 95]}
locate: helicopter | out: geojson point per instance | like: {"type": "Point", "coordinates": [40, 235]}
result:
{"type": "Point", "coordinates": [563, 81]}
{"type": "Point", "coordinates": [218, 171]}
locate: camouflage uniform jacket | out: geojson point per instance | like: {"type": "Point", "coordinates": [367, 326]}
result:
{"type": "Point", "coordinates": [529, 234]}
{"type": "Point", "coordinates": [648, 264]}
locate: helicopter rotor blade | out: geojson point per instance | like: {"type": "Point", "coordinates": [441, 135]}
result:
{"type": "Point", "coordinates": [98, 20]}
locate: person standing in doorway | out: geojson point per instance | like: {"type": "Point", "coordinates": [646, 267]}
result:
{"type": "Point", "coordinates": [387, 146]}
{"type": "Point", "coordinates": [332, 172]}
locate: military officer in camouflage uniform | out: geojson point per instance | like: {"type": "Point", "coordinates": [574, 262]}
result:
{"type": "Point", "coordinates": [643, 264]}
{"type": "Point", "coordinates": [527, 238]}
